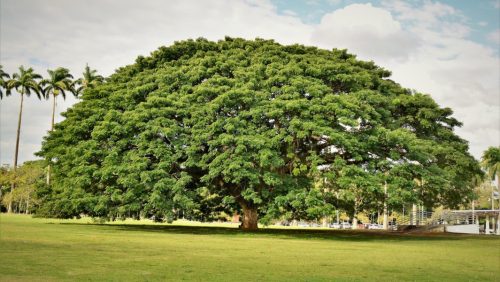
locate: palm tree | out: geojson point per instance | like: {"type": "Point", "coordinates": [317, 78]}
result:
{"type": "Point", "coordinates": [491, 162]}
{"type": "Point", "coordinates": [58, 82]}
{"type": "Point", "coordinates": [24, 83]}
{"type": "Point", "coordinates": [3, 83]}
{"type": "Point", "coordinates": [90, 79]}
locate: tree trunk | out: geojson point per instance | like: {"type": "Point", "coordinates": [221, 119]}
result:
{"type": "Point", "coordinates": [386, 216]}
{"type": "Point", "coordinates": [18, 131]}
{"type": "Point", "coordinates": [354, 222]}
{"type": "Point", "coordinates": [473, 212]}
{"type": "Point", "coordinates": [53, 112]}
{"type": "Point", "coordinates": [355, 215]}
{"type": "Point", "coordinates": [414, 215]}
{"type": "Point", "coordinates": [48, 174]}
{"type": "Point", "coordinates": [250, 217]}
{"type": "Point", "coordinates": [16, 154]}
{"type": "Point", "coordinates": [9, 206]}
{"type": "Point", "coordinates": [51, 129]}
{"type": "Point", "coordinates": [27, 205]}
{"type": "Point", "coordinates": [324, 222]}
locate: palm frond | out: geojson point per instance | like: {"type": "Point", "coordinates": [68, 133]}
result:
{"type": "Point", "coordinates": [3, 73]}
{"type": "Point", "coordinates": [59, 81]}
{"type": "Point", "coordinates": [25, 82]}
{"type": "Point", "coordinates": [3, 83]}
{"type": "Point", "coordinates": [491, 161]}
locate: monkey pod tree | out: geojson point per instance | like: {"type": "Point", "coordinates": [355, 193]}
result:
{"type": "Point", "coordinates": [202, 126]}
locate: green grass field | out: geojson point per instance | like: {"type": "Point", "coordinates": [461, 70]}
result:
{"type": "Point", "coordinates": [53, 250]}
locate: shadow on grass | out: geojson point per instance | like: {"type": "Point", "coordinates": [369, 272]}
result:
{"type": "Point", "coordinates": [346, 235]}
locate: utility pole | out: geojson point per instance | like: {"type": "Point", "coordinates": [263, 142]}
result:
{"type": "Point", "coordinates": [386, 216]}
{"type": "Point", "coordinates": [492, 197]}
{"type": "Point", "coordinates": [473, 213]}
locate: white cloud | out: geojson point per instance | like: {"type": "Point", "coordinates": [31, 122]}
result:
{"type": "Point", "coordinates": [425, 46]}
{"type": "Point", "coordinates": [365, 30]}
{"type": "Point", "coordinates": [87, 30]}
{"type": "Point", "coordinates": [433, 55]}
{"type": "Point", "coordinates": [107, 35]}
{"type": "Point", "coordinates": [429, 13]}
{"type": "Point", "coordinates": [458, 73]}
{"type": "Point", "coordinates": [435, 16]}
{"type": "Point", "coordinates": [482, 23]}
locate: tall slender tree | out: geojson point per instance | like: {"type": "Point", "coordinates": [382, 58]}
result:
{"type": "Point", "coordinates": [90, 79]}
{"type": "Point", "coordinates": [58, 82]}
{"type": "Point", "coordinates": [25, 82]}
{"type": "Point", "coordinates": [3, 82]}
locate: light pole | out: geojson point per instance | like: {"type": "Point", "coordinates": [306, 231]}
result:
{"type": "Point", "coordinates": [386, 216]}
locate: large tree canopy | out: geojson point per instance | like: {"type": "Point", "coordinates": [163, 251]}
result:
{"type": "Point", "coordinates": [200, 127]}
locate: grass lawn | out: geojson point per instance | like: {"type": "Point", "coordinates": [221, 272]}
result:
{"type": "Point", "coordinates": [53, 250]}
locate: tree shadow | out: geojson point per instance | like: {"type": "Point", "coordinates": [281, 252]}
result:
{"type": "Point", "coordinates": [322, 234]}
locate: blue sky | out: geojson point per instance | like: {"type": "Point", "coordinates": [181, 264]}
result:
{"type": "Point", "coordinates": [447, 49]}
{"type": "Point", "coordinates": [482, 16]}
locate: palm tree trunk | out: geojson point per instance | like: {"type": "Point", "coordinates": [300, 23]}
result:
{"type": "Point", "coordinates": [53, 112]}
{"type": "Point", "coordinates": [51, 129]}
{"type": "Point", "coordinates": [18, 130]}
{"type": "Point", "coordinates": [16, 154]}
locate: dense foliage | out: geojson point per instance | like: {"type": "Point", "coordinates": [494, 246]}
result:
{"type": "Point", "coordinates": [491, 163]}
{"type": "Point", "coordinates": [202, 127]}
{"type": "Point", "coordinates": [27, 178]}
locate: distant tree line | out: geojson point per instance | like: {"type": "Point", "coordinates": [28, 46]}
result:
{"type": "Point", "coordinates": [27, 179]}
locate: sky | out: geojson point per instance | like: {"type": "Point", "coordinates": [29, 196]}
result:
{"type": "Point", "coordinates": [448, 49]}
